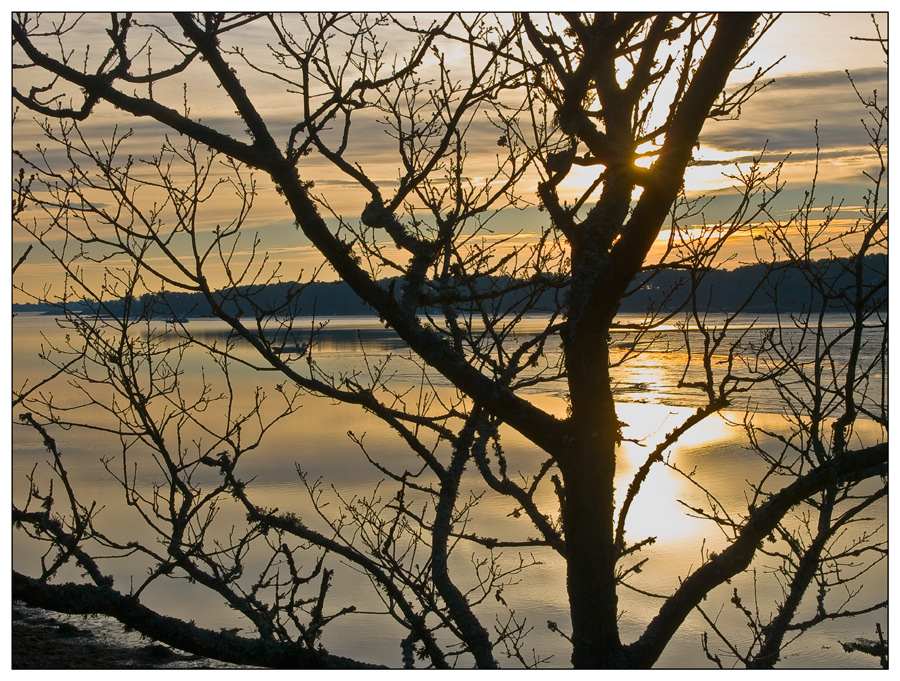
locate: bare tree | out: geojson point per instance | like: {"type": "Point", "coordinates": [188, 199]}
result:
{"type": "Point", "coordinates": [550, 95]}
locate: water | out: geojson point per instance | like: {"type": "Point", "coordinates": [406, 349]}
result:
{"type": "Point", "coordinates": [315, 437]}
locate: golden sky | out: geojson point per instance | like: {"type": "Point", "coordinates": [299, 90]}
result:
{"type": "Point", "coordinates": [811, 92]}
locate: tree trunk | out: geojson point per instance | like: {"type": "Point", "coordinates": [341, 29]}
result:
{"type": "Point", "coordinates": [588, 468]}
{"type": "Point", "coordinates": [587, 520]}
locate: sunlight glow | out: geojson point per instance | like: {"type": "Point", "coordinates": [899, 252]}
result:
{"type": "Point", "coordinates": [656, 510]}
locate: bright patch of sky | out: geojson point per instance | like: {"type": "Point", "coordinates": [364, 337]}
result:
{"type": "Point", "coordinates": [810, 108]}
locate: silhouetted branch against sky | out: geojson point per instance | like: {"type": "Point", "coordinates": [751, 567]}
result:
{"type": "Point", "coordinates": [810, 56]}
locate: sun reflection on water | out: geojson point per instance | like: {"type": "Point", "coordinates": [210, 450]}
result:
{"type": "Point", "coordinates": [656, 511]}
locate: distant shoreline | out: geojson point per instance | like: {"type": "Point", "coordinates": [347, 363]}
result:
{"type": "Point", "coordinates": [785, 290]}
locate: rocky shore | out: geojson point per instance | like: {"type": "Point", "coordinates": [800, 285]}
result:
{"type": "Point", "coordinates": [45, 640]}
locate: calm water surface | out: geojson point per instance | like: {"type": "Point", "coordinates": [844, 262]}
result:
{"type": "Point", "coordinates": [650, 404]}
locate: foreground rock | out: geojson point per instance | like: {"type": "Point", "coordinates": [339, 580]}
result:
{"type": "Point", "coordinates": [43, 640]}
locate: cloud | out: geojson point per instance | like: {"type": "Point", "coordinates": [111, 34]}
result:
{"type": "Point", "coordinates": [785, 116]}
{"type": "Point", "coordinates": [795, 157]}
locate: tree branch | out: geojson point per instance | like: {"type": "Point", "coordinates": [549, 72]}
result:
{"type": "Point", "coordinates": [852, 467]}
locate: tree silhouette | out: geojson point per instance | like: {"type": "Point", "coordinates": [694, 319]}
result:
{"type": "Point", "coordinates": [623, 94]}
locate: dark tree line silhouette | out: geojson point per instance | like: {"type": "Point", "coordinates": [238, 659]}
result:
{"type": "Point", "coordinates": [667, 289]}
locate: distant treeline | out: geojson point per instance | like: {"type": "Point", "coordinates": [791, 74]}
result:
{"type": "Point", "coordinates": [785, 288]}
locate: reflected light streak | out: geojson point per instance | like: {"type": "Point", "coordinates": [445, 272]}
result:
{"type": "Point", "coordinates": [656, 511]}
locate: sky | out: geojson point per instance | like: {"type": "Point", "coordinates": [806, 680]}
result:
{"type": "Point", "coordinates": [811, 94]}
{"type": "Point", "coordinates": [810, 85]}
